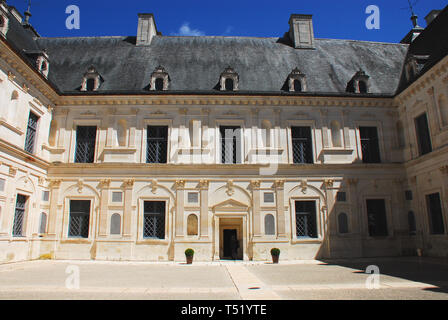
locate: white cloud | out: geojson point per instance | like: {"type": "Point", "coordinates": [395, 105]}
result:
{"type": "Point", "coordinates": [185, 30]}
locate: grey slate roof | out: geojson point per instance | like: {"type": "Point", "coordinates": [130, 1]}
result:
{"type": "Point", "coordinates": [194, 64]}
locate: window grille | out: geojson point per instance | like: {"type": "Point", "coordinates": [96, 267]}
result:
{"type": "Point", "coordinates": [423, 135]}
{"type": "Point", "coordinates": [79, 218]}
{"type": "Point", "coordinates": [268, 197]}
{"type": "Point", "coordinates": [302, 145]}
{"type": "Point", "coordinates": [435, 213]}
{"type": "Point", "coordinates": [31, 132]}
{"type": "Point", "coordinates": [369, 144]}
{"type": "Point", "coordinates": [306, 224]}
{"type": "Point", "coordinates": [154, 219]}
{"type": "Point", "coordinates": [85, 144]}
{"type": "Point", "coordinates": [117, 196]}
{"type": "Point", "coordinates": [157, 144]}
{"type": "Point", "coordinates": [230, 145]}
{"type": "Point", "coordinates": [376, 216]}
{"type": "Point", "coordinates": [19, 216]}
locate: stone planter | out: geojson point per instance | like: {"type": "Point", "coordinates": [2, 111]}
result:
{"type": "Point", "coordinates": [275, 259]}
{"type": "Point", "coordinates": [189, 259]}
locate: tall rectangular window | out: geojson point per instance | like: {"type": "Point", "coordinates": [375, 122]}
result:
{"type": "Point", "coordinates": [19, 216]}
{"type": "Point", "coordinates": [423, 135]}
{"type": "Point", "coordinates": [435, 213]}
{"type": "Point", "coordinates": [376, 217]}
{"type": "Point", "coordinates": [302, 146]}
{"type": "Point", "coordinates": [157, 144]}
{"type": "Point", "coordinates": [154, 219]}
{"type": "Point", "coordinates": [230, 144]}
{"type": "Point", "coordinates": [369, 144]}
{"type": "Point", "coordinates": [306, 224]}
{"type": "Point", "coordinates": [85, 144]}
{"type": "Point", "coordinates": [79, 218]}
{"type": "Point", "coordinates": [31, 132]}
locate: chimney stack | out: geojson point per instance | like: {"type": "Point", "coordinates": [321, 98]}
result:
{"type": "Point", "coordinates": [301, 31]}
{"type": "Point", "coordinates": [146, 29]}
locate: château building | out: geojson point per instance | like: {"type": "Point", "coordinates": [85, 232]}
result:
{"type": "Point", "coordinates": [139, 147]}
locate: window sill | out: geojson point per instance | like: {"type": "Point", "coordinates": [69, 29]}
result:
{"type": "Point", "coordinates": [193, 151]}
{"type": "Point", "coordinates": [307, 241]}
{"type": "Point", "coordinates": [76, 241]}
{"type": "Point", "coordinates": [153, 241]}
{"type": "Point", "coordinates": [266, 151]}
{"type": "Point", "coordinates": [344, 151]}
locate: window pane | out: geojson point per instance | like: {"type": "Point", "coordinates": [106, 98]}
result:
{"type": "Point", "coordinates": [19, 216]}
{"type": "Point", "coordinates": [369, 144]}
{"type": "Point", "coordinates": [269, 224]}
{"type": "Point", "coordinates": [157, 144]}
{"type": "Point", "coordinates": [302, 147]}
{"type": "Point", "coordinates": [193, 197]}
{"type": "Point", "coordinates": [43, 223]}
{"type": "Point", "coordinates": [306, 225]}
{"type": "Point", "coordinates": [31, 132]}
{"type": "Point", "coordinates": [423, 135]}
{"type": "Point", "coordinates": [79, 218]}
{"type": "Point", "coordinates": [117, 196]}
{"type": "Point", "coordinates": [435, 214]}
{"type": "Point", "coordinates": [85, 144]}
{"type": "Point", "coordinates": [115, 224]}
{"type": "Point", "coordinates": [377, 220]}
{"type": "Point", "coordinates": [269, 197]}
{"type": "Point", "coordinates": [230, 144]}
{"type": "Point", "coordinates": [154, 219]}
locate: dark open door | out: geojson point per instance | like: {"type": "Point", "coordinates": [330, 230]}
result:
{"type": "Point", "coordinates": [228, 235]}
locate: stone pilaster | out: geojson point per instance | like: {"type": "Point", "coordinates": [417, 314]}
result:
{"type": "Point", "coordinates": [255, 187]}
{"type": "Point", "coordinates": [279, 186]}
{"type": "Point", "coordinates": [354, 207]}
{"type": "Point", "coordinates": [330, 224]}
{"type": "Point", "coordinates": [203, 189]}
{"type": "Point", "coordinates": [54, 186]}
{"type": "Point", "coordinates": [104, 200]}
{"type": "Point", "coordinates": [180, 190]}
{"type": "Point", "coordinates": [128, 186]}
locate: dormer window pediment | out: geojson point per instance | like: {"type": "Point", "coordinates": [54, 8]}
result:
{"type": "Point", "coordinates": [4, 23]}
{"type": "Point", "coordinates": [297, 81]}
{"type": "Point", "coordinates": [414, 65]}
{"type": "Point", "coordinates": [228, 80]}
{"type": "Point", "coordinates": [359, 83]}
{"type": "Point", "coordinates": [92, 80]}
{"type": "Point", "coordinates": [159, 79]}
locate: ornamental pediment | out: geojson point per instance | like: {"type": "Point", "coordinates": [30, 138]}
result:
{"type": "Point", "coordinates": [230, 205]}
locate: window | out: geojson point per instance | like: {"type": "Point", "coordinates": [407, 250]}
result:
{"type": "Point", "coordinates": [43, 223]}
{"type": "Point", "coordinates": [154, 219]}
{"type": "Point", "coordinates": [297, 86]}
{"type": "Point", "coordinates": [91, 80]}
{"type": "Point", "coordinates": [343, 223]}
{"type": "Point", "coordinates": [269, 225]}
{"type": "Point", "coordinates": [341, 196]}
{"type": "Point", "coordinates": [45, 195]}
{"type": "Point", "coordinates": [359, 83]}
{"type": "Point", "coordinates": [369, 144]}
{"type": "Point", "coordinates": [193, 197]}
{"type": "Point", "coordinates": [230, 144]}
{"type": "Point", "coordinates": [79, 219]}
{"type": "Point", "coordinates": [115, 224]}
{"type": "Point", "coordinates": [159, 84]}
{"type": "Point", "coordinates": [192, 225]}
{"type": "Point", "coordinates": [376, 216]}
{"type": "Point", "coordinates": [85, 144]}
{"type": "Point", "coordinates": [296, 81]}
{"type": "Point", "coordinates": [408, 195]}
{"type": "Point", "coordinates": [302, 145]}
{"type": "Point", "coordinates": [228, 80]}
{"type": "Point", "coordinates": [362, 87]}
{"type": "Point", "coordinates": [412, 224]}
{"type": "Point", "coordinates": [19, 216]}
{"type": "Point", "coordinates": [117, 196]}
{"type": "Point", "coordinates": [229, 85]}
{"type": "Point", "coordinates": [423, 135]}
{"type": "Point", "coordinates": [2, 185]}
{"type": "Point", "coordinates": [157, 144]}
{"type": "Point", "coordinates": [269, 197]}
{"type": "Point", "coordinates": [31, 132]}
{"type": "Point", "coordinates": [90, 85]}
{"type": "Point", "coordinates": [435, 214]}
{"type": "Point", "coordinates": [306, 225]}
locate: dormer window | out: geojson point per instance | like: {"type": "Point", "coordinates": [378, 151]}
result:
{"type": "Point", "coordinates": [42, 64]}
{"type": "Point", "coordinates": [296, 81]}
{"type": "Point", "coordinates": [359, 83]}
{"type": "Point", "coordinates": [414, 65]}
{"type": "Point", "coordinates": [3, 25]}
{"type": "Point", "coordinates": [229, 80]}
{"type": "Point", "coordinates": [159, 79]}
{"type": "Point", "coordinates": [91, 80]}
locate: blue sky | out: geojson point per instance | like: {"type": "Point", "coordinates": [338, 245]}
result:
{"type": "Point", "coordinates": [343, 19]}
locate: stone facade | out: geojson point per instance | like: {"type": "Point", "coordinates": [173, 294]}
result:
{"type": "Point", "coordinates": [256, 198]}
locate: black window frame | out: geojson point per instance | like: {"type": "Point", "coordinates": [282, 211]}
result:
{"type": "Point", "coordinates": [306, 219]}
{"type": "Point", "coordinates": [377, 217]}
{"type": "Point", "coordinates": [302, 145]}
{"type": "Point", "coordinates": [79, 219]}
{"type": "Point", "coordinates": [157, 143]}
{"type": "Point", "coordinates": [85, 144]}
{"type": "Point", "coordinates": [154, 220]}
{"type": "Point", "coordinates": [423, 134]}
{"type": "Point", "coordinates": [370, 144]}
{"type": "Point", "coordinates": [31, 132]}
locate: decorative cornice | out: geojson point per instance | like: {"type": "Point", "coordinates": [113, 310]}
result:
{"type": "Point", "coordinates": [54, 183]}
{"type": "Point", "coordinates": [128, 183]}
{"type": "Point", "coordinates": [179, 184]}
{"type": "Point", "coordinates": [105, 183]}
{"type": "Point", "coordinates": [203, 184]}
{"type": "Point", "coordinates": [255, 184]}
{"type": "Point", "coordinates": [279, 184]}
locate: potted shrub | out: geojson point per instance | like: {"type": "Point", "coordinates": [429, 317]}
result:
{"type": "Point", "coordinates": [189, 253]}
{"type": "Point", "coordinates": [275, 253]}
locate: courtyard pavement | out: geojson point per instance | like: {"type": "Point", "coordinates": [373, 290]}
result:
{"type": "Point", "coordinates": [399, 278]}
